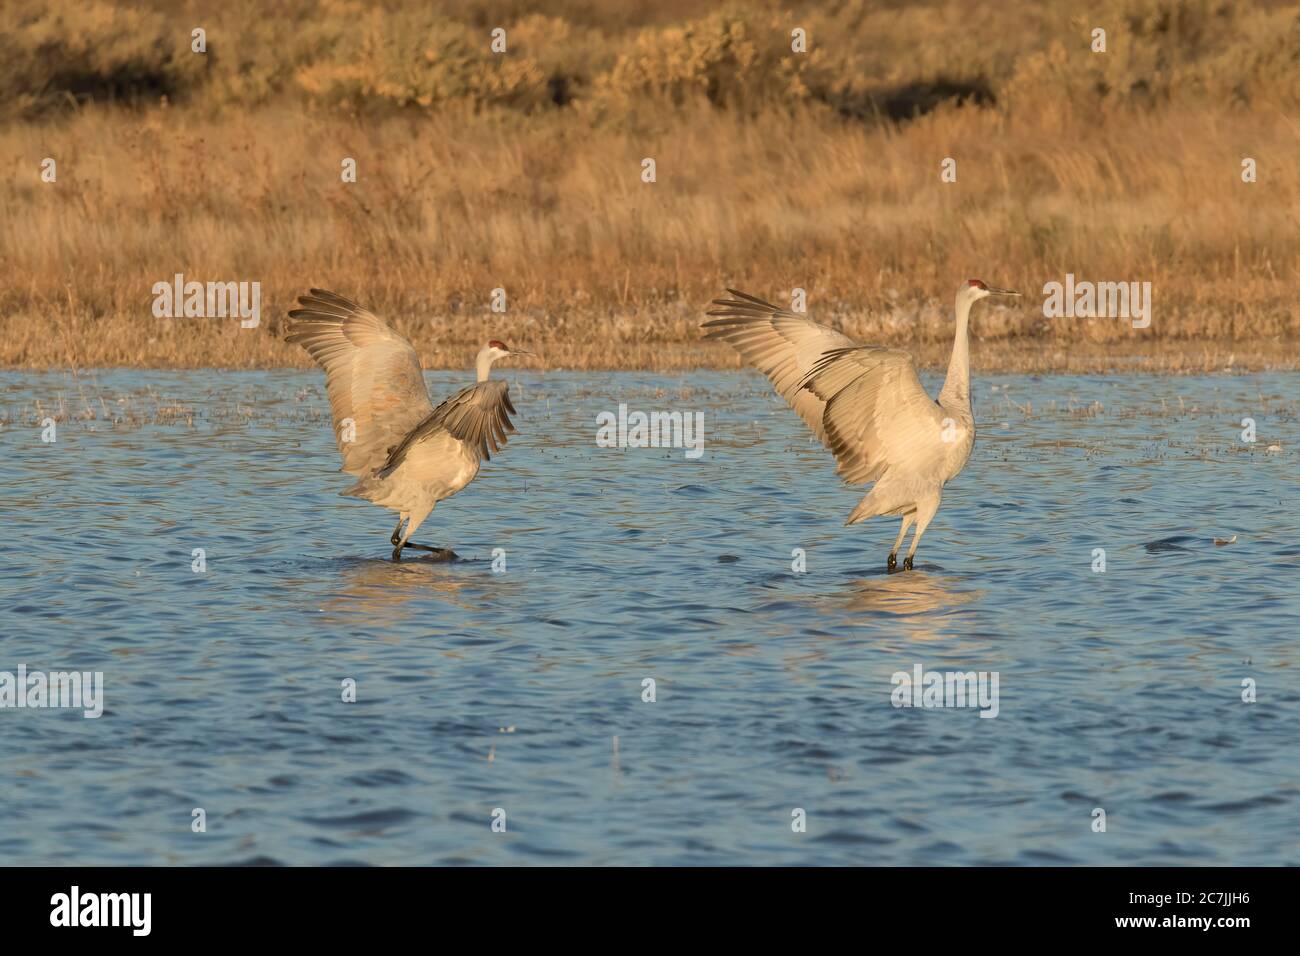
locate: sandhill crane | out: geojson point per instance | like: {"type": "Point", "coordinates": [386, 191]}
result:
{"type": "Point", "coordinates": [406, 454]}
{"type": "Point", "coordinates": [865, 403]}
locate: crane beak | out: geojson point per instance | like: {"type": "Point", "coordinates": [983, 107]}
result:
{"type": "Point", "coordinates": [993, 291]}
{"type": "Point", "coordinates": [521, 352]}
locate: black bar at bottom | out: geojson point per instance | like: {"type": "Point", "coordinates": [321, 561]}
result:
{"type": "Point", "coordinates": [212, 905]}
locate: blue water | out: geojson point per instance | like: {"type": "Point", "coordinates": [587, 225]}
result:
{"type": "Point", "coordinates": [478, 690]}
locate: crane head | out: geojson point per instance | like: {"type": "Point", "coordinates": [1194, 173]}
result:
{"type": "Point", "coordinates": [976, 289]}
{"type": "Point", "coordinates": [496, 349]}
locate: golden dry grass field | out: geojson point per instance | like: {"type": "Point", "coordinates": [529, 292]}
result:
{"type": "Point", "coordinates": [774, 170]}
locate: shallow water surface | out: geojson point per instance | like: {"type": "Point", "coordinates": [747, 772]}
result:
{"type": "Point", "coordinates": [523, 690]}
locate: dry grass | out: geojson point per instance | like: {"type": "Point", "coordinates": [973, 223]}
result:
{"type": "Point", "coordinates": [774, 171]}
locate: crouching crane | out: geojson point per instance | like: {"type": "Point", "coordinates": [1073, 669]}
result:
{"type": "Point", "coordinates": [406, 454]}
{"type": "Point", "coordinates": [865, 403]}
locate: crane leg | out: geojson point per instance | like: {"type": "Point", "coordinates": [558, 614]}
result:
{"type": "Point", "coordinates": [898, 542]}
{"type": "Point", "coordinates": [925, 512]}
{"type": "Point", "coordinates": [417, 519]}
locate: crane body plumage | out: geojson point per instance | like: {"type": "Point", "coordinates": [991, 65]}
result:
{"type": "Point", "coordinates": [865, 403]}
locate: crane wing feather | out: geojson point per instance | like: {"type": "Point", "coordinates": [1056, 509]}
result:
{"type": "Point", "coordinates": [865, 403]}
{"type": "Point", "coordinates": [878, 414]}
{"type": "Point", "coordinates": [478, 415]}
{"type": "Point", "coordinates": [372, 376]}
{"type": "Point", "coordinates": [780, 344]}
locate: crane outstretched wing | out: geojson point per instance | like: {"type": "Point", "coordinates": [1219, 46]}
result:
{"type": "Point", "coordinates": [478, 415]}
{"type": "Point", "coordinates": [372, 376]}
{"type": "Point", "coordinates": [781, 345]}
{"type": "Point", "coordinates": [878, 414]}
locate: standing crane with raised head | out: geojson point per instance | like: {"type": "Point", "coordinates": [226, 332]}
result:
{"type": "Point", "coordinates": [406, 454]}
{"type": "Point", "coordinates": [866, 403]}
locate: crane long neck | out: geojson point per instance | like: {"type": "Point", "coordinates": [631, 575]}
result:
{"type": "Point", "coordinates": [956, 388]}
{"type": "Point", "coordinates": [484, 365]}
